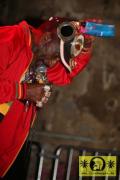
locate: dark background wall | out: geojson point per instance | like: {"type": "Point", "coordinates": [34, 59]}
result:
{"type": "Point", "coordinates": [90, 106]}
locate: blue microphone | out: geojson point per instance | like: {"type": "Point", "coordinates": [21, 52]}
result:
{"type": "Point", "coordinates": [99, 30]}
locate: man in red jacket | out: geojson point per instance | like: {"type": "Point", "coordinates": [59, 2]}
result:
{"type": "Point", "coordinates": [21, 48]}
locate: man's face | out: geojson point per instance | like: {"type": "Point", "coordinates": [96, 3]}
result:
{"type": "Point", "coordinates": [49, 49]}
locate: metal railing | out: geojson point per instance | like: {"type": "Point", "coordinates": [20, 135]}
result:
{"type": "Point", "coordinates": [63, 162]}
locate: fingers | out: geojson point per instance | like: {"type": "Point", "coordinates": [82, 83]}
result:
{"type": "Point", "coordinates": [43, 101]}
{"type": "Point", "coordinates": [38, 93]}
{"type": "Point", "coordinates": [39, 104]}
{"type": "Point", "coordinates": [72, 63]}
{"type": "Point", "coordinates": [45, 97]}
{"type": "Point", "coordinates": [47, 94]}
{"type": "Point", "coordinates": [47, 88]}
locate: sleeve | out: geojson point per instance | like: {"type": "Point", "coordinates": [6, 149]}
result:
{"type": "Point", "coordinates": [9, 90]}
{"type": "Point", "coordinates": [82, 60]}
{"type": "Point", "coordinates": [58, 74]}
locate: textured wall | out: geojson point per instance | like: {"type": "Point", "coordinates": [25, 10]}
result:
{"type": "Point", "coordinates": [90, 106]}
{"type": "Point", "coordinates": [79, 8]}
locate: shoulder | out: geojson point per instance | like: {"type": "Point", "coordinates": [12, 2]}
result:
{"type": "Point", "coordinates": [16, 34]}
{"type": "Point", "coordinates": [12, 40]}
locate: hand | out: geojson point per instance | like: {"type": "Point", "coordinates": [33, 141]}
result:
{"type": "Point", "coordinates": [37, 93]}
{"type": "Point", "coordinates": [45, 98]}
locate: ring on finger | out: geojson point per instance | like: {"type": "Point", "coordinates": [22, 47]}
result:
{"type": "Point", "coordinates": [39, 104]}
{"type": "Point", "coordinates": [47, 88]}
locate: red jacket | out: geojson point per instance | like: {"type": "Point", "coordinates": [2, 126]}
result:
{"type": "Point", "coordinates": [15, 58]}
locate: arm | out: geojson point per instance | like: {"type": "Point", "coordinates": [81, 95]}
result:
{"type": "Point", "coordinates": [59, 76]}
{"type": "Point", "coordinates": [9, 90]}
